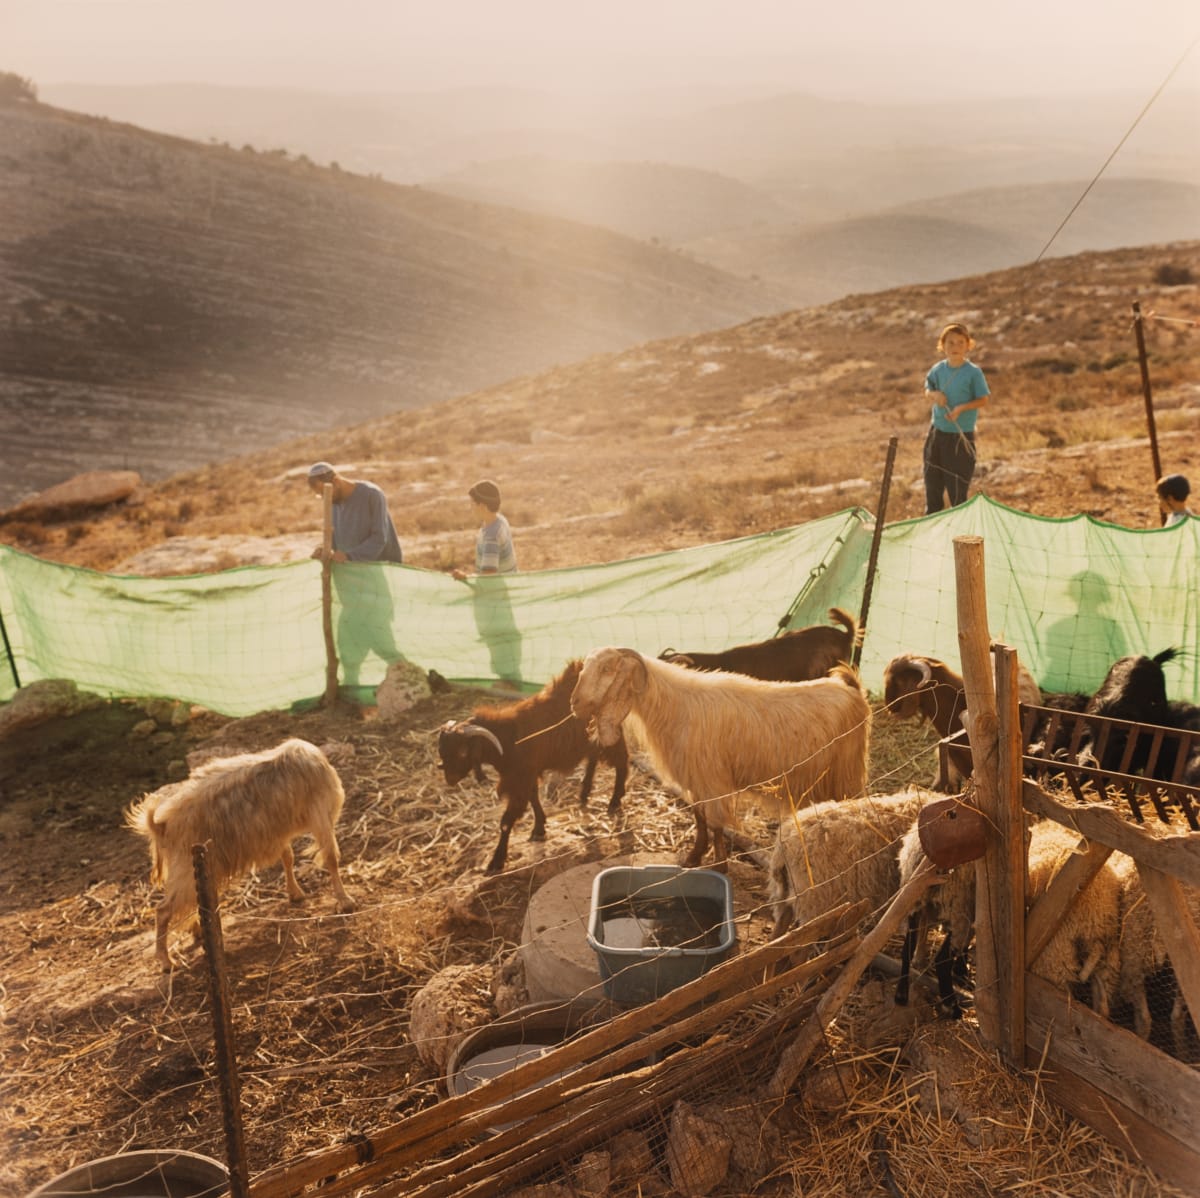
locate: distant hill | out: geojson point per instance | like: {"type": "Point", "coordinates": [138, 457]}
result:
{"type": "Point", "coordinates": [650, 200]}
{"type": "Point", "coordinates": [171, 302]}
{"type": "Point", "coordinates": [946, 238]}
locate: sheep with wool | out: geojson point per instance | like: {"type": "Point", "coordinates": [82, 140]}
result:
{"type": "Point", "coordinates": [837, 852]}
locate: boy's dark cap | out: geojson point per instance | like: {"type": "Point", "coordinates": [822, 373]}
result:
{"type": "Point", "coordinates": [1175, 486]}
{"type": "Point", "coordinates": [486, 492]}
{"type": "Point", "coordinates": [320, 470]}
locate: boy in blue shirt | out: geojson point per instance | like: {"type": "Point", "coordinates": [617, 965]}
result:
{"type": "Point", "coordinates": [958, 390]}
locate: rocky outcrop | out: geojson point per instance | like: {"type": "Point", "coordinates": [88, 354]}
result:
{"type": "Point", "coordinates": [93, 489]}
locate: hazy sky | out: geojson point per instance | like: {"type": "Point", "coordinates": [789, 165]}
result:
{"type": "Point", "coordinates": [914, 49]}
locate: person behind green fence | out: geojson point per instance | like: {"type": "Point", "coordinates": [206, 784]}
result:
{"type": "Point", "coordinates": [494, 553]}
{"type": "Point", "coordinates": [494, 558]}
{"type": "Point", "coordinates": [1173, 491]}
{"type": "Point", "coordinates": [958, 390]}
{"type": "Point", "coordinates": [362, 526]}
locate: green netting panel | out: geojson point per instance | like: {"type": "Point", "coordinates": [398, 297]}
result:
{"type": "Point", "coordinates": [240, 641]}
{"type": "Point", "coordinates": [524, 627]}
{"type": "Point", "coordinates": [1071, 595]}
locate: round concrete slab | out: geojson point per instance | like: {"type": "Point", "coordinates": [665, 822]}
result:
{"type": "Point", "coordinates": [558, 962]}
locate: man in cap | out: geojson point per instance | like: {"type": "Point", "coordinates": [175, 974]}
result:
{"type": "Point", "coordinates": [362, 527]}
{"type": "Point", "coordinates": [494, 552]}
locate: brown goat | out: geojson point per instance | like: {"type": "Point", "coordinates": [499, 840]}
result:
{"type": "Point", "coordinates": [249, 807]}
{"type": "Point", "coordinates": [797, 656]}
{"type": "Point", "coordinates": [523, 741]}
{"type": "Point", "coordinates": [929, 689]}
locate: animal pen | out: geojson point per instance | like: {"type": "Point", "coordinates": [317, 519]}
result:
{"type": "Point", "coordinates": [638, 1087]}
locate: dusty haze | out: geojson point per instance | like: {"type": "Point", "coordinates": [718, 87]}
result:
{"type": "Point", "coordinates": [916, 51]}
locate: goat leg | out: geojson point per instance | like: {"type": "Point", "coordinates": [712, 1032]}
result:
{"type": "Point", "coordinates": [700, 845]}
{"type": "Point", "coordinates": [585, 787]}
{"type": "Point", "coordinates": [947, 964]}
{"type": "Point", "coordinates": [906, 956]}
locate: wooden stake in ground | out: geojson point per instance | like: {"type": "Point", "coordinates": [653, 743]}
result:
{"type": "Point", "coordinates": [228, 1081]}
{"type": "Point", "coordinates": [331, 660]}
{"type": "Point", "coordinates": [1139, 334]}
{"type": "Point", "coordinates": [796, 1055]}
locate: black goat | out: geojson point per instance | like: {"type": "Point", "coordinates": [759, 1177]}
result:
{"type": "Point", "coordinates": [1135, 690]}
{"type": "Point", "coordinates": [798, 656]}
{"type": "Point", "coordinates": [522, 741]}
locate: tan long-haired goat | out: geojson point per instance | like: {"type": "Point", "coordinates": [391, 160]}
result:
{"type": "Point", "coordinates": [250, 807]}
{"type": "Point", "coordinates": [717, 734]}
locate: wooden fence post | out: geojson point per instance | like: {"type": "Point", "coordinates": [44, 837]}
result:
{"type": "Point", "coordinates": [973, 643]}
{"type": "Point", "coordinates": [1143, 362]}
{"type": "Point", "coordinates": [331, 659]}
{"type": "Point", "coordinates": [228, 1082]}
{"type": "Point", "coordinates": [1007, 880]}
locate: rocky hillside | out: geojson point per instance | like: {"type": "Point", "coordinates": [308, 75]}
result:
{"type": "Point", "coordinates": [170, 303]}
{"type": "Point", "coordinates": [739, 430]}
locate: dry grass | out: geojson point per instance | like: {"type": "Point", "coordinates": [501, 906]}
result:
{"type": "Point", "coordinates": [105, 1054]}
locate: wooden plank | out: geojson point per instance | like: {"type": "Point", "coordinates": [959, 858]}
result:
{"type": "Point", "coordinates": [1070, 881]}
{"type": "Point", "coordinates": [1009, 879]}
{"type": "Point", "coordinates": [1119, 1064]}
{"type": "Point", "coordinates": [636, 1030]}
{"type": "Point", "coordinates": [1174, 923]}
{"type": "Point", "coordinates": [973, 643]}
{"type": "Point", "coordinates": [1176, 853]}
{"type": "Point", "coordinates": [795, 1056]}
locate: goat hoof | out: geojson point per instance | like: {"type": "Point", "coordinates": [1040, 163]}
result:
{"type": "Point", "coordinates": [537, 836]}
{"type": "Point", "coordinates": [346, 906]}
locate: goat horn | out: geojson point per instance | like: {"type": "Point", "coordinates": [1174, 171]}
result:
{"type": "Point", "coordinates": [476, 730]}
{"type": "Point", "coordinates": [923, 666]}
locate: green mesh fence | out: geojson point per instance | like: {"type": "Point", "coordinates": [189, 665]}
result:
{"type": "Point", "coordinates": [1070, 595]}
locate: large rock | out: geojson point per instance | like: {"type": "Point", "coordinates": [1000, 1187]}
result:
{"type": "Point", "coordinates": [404, 687]}
{"type": "Point", "coordinates": [206, 555]}
{"type": "Point", "coordinates": [698, 1151]}
{"type": "Point", "coordinates": [96, 488]}
{"type": "Point", "coordinates": [456, 1000]}
{"type": "Point", "coordinates": [46, 699]}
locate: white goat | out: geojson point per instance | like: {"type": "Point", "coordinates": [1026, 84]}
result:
{"type": "Point", "coordinates": [1083, 948]}
{"type": "Point", "coordinates": [1143, 953]}
{"type": "Point", "coordinates": [716, 734]}
{"type": "Point", "coordinates": [839, 852]}
{"type": "Point", "coordinates": [250, 807]}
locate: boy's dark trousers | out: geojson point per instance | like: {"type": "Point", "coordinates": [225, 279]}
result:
{"type": "Point", "coordinates": [949, 465]}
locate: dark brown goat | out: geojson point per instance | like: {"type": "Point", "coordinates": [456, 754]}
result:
{"type": "Point", "coordinates": [522, 741]}
{"type": "Point", "coordinates": [798, 656]}
{"type": "Point", "coordinates": [928, 688]}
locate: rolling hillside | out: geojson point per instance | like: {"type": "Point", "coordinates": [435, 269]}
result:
{"type": "Point", "coordinates": [172, 303]}
{"type": "Point", "coordinates": [740, 430]}
{"type": "Point", "coordinates": [937, 239]}
{"type": "Point", "coordinates": [649, 200]}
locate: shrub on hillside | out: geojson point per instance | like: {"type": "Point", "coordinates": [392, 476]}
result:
{"type": "Point", "coordinates": [14, 88]}
{"type": "Point", "coordinates": [1170, 275]}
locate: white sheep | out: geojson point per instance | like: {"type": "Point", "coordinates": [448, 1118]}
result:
{"type": "Point", "coordinates": [249, 807]}
{"type": "Point", "coordinates": [1142, 952]}
{"type": "Point", "coordinates": [836, 852]}
{"type": "Point", "coordinates": [1082, 950]}
{"type": "Point", "coordinates": [717, 734]}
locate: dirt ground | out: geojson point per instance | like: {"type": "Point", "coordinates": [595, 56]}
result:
{"type": "Point", "coordinates": [103, 1053]}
